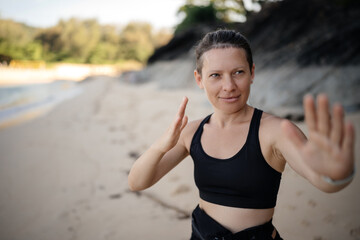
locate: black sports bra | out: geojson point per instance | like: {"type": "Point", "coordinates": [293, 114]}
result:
{"type": "Point", "coordinates": [245, 180]}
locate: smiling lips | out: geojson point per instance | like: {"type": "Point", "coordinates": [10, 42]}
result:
{"type": "Point", "coordinates": [230, 99]}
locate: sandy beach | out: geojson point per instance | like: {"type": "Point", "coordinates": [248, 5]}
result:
{"type": "Point", "coordinates": [64, 175]}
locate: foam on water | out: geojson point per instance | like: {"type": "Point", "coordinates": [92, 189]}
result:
{"type": "Point", "coordinates": [19, 101]}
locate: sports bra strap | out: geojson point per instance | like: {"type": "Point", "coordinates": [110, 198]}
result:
{"type": "Point", "coordinates": [254, 127]}
{"type": "Point", "coordinates": [199, 131]}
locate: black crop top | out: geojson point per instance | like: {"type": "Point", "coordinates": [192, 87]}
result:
{"type": "Point", "coordinates": [245, 180]}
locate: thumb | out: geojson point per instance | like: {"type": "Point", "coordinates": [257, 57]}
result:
{"type": "Point", "coordinates": [184, 122]}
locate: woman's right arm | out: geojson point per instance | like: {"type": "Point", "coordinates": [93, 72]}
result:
{"type": "Point", "coordinates": [162, 156]}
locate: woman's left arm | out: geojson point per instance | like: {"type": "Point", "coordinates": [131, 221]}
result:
{"type": "Point", "coordinates": [326, 157]}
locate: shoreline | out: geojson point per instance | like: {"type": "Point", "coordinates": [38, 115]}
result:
{"type": "Point", "coordinates": [23, 103]}
{"type": "Point", "coordinates": [14, 76]}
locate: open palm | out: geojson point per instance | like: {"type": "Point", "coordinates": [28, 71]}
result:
{"type": "Point", "coordinates": [329, 149]}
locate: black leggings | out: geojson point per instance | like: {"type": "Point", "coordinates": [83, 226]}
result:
{"type": "Point", "coordinates": [206, 228]}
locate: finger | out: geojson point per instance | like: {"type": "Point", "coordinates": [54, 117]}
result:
{"type": "Point", "coordinates": [310, 116]}
{"type": "Point", "coordinates": [293, 134]}
{"type": "Point", "coordinates": [323, 115]}
{"type": "Point", "coordinates": [181, 111]}
{"type": "Point", "coordinates": [180, 114]}
{"type": "Point", "coordinates": [337, 125]}
{"type": "Point", "coordinates": [184, 122]}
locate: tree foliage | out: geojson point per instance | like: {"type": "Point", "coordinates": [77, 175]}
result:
{"type": "Point", "coordinates": [17, 41]}
{"type": "Point", "coordinates": [86, 41]}
{"type": "Point", "coordinates": [136, 41]}
{"type": "Point", "coordinates": [197, 14]}
{"type": "Point", "coordinates": [81, 41]}
{"type": "Point", "coordinates": [213, 11]}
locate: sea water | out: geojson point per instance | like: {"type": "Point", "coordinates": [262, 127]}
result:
{"type": "Point", "coordinates": [17, 101]}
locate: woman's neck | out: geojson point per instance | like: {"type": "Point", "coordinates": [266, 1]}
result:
{"type": "Point", "coordinates": [224, 120]}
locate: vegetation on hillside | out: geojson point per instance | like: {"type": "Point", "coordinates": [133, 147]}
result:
{"type": "Point", "coordinates": [215, 12]}
{"type": "Point", "coordinates": [87, 41]}
{"type": "Point", "coordinates": [80, 41]}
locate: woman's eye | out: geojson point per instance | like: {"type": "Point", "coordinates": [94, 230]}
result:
{"type": "Point", "coordinates": [214, 75]}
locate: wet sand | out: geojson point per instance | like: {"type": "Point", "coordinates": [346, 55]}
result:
{"type": "Point", "coordinates": [64, 175]}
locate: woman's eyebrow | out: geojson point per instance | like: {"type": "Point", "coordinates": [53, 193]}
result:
{"type": "Point", "coordinates": [221, 70]}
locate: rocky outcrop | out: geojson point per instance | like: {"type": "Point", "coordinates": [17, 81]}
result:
{"type": "Point", "coordinates": [303, 46]}
{"type": "Point", "coordinates": [299, 46]}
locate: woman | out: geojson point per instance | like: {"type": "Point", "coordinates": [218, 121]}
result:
{"type": "Point", "coordinates": [239, 152]}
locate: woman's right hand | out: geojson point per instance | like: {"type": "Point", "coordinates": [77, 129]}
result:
{"type": "Point", "coordinates": [171, 137]}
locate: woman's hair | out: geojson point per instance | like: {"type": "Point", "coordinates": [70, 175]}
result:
{"type": "Point", "coordinates": [222, 39]}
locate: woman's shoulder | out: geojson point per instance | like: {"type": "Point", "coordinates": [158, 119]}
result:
{"type": "Point", "coordinates": [270, 118]}
{"type": "Point", "coordinates": [189, 131]}
{"type": "Point", "coordinates": [271, 127]}
{"type": "Point", "coordinates": [270, 124]}
{"type": "Point", "coordinates": [192, 126]}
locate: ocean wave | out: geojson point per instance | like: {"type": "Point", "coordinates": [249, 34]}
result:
{"type": "Point", "coordinates": [20, 100]}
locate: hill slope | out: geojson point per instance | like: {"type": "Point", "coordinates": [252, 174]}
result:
{"type": "Point", "coordinates": [300, 46]}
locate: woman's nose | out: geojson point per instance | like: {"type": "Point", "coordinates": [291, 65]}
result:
{"type": "Point", "coordinates": [228, 83]}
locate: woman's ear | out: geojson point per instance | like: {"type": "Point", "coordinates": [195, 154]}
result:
{"type": "Point", "coordinates": [198, 79]}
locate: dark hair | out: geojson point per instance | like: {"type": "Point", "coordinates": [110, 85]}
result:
{"type": "Point", "coordinates": [222, 39]}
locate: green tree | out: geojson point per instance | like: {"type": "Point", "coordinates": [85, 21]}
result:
{"type": "Point", "coordinates": [17, 41]}
{"type": "Point", "coordinates": [78, 38]}
{"type": "Point", "coordinates": [197, 14]}
{"type": "Point", "coordinates": [51, 43]}
{"type": "Point", "coordinates": [17, 33]}
{"type": "Point", "coordinates": [136, 42]}
{"type": "Point", "coordinates": [110, 34]}
{"type": "Point", "coordinates": [104, 52]}
{"type": "Point", "coordinates": [83, 41]}
{"type": "Point", "coordinates": [211, 11]}
{"type": "Point", "coordinates": [33, 51]}
{"type": "Point", "coordinates": [107, 49]}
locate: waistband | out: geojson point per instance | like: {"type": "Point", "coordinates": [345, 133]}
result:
{"type": "Point", "coordinates": [205, 227]}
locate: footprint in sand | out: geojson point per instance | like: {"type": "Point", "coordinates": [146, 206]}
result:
{"type": "Point", "coordinates": [292, 207]}
{"type": "Point", "coordinates": [355, 233]}
{"type": "Point", "coordinates": [305, 223]}
{"type": "Point", "coordinates": [181, 189]}
{"type": "Point", "coordinates": [115, 196]}
{"type": "Point", "coordinates": [330, 218]}
{"type": "Point", "coordinates": [299, 193]}
{"type": "Point", "coordinates": [174, 178]}
{"type": "Point", "coordinates": [112, 129]}
{"type": "Point", "coordinates": [312, 203]}
{"type": "Point", "coordinates": [134, 155]}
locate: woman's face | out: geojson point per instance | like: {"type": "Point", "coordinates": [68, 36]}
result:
{"type": "Point", "coordinates": [226, 78]}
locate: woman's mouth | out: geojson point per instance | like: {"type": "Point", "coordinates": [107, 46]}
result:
{"type": "Point", "coordinates": [230, 99]}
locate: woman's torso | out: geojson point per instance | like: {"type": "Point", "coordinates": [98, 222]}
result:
{"type": "Point", "coordinates": [223, 143]}
{"type": "Point", "coordinates": [236, 219]}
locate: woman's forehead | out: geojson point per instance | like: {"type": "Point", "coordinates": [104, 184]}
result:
{"type": "Point", "coordinates": [224, 57]}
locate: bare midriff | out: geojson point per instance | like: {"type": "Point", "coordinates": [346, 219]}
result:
{"type": "Point", "coordinates": [236, 219]}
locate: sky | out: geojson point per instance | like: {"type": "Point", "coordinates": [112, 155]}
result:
{"type": "Point", "coordinates": [46, 13]}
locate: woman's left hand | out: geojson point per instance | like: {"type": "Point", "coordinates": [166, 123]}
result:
{"type": "Point", "coordinates": [329, 149]}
